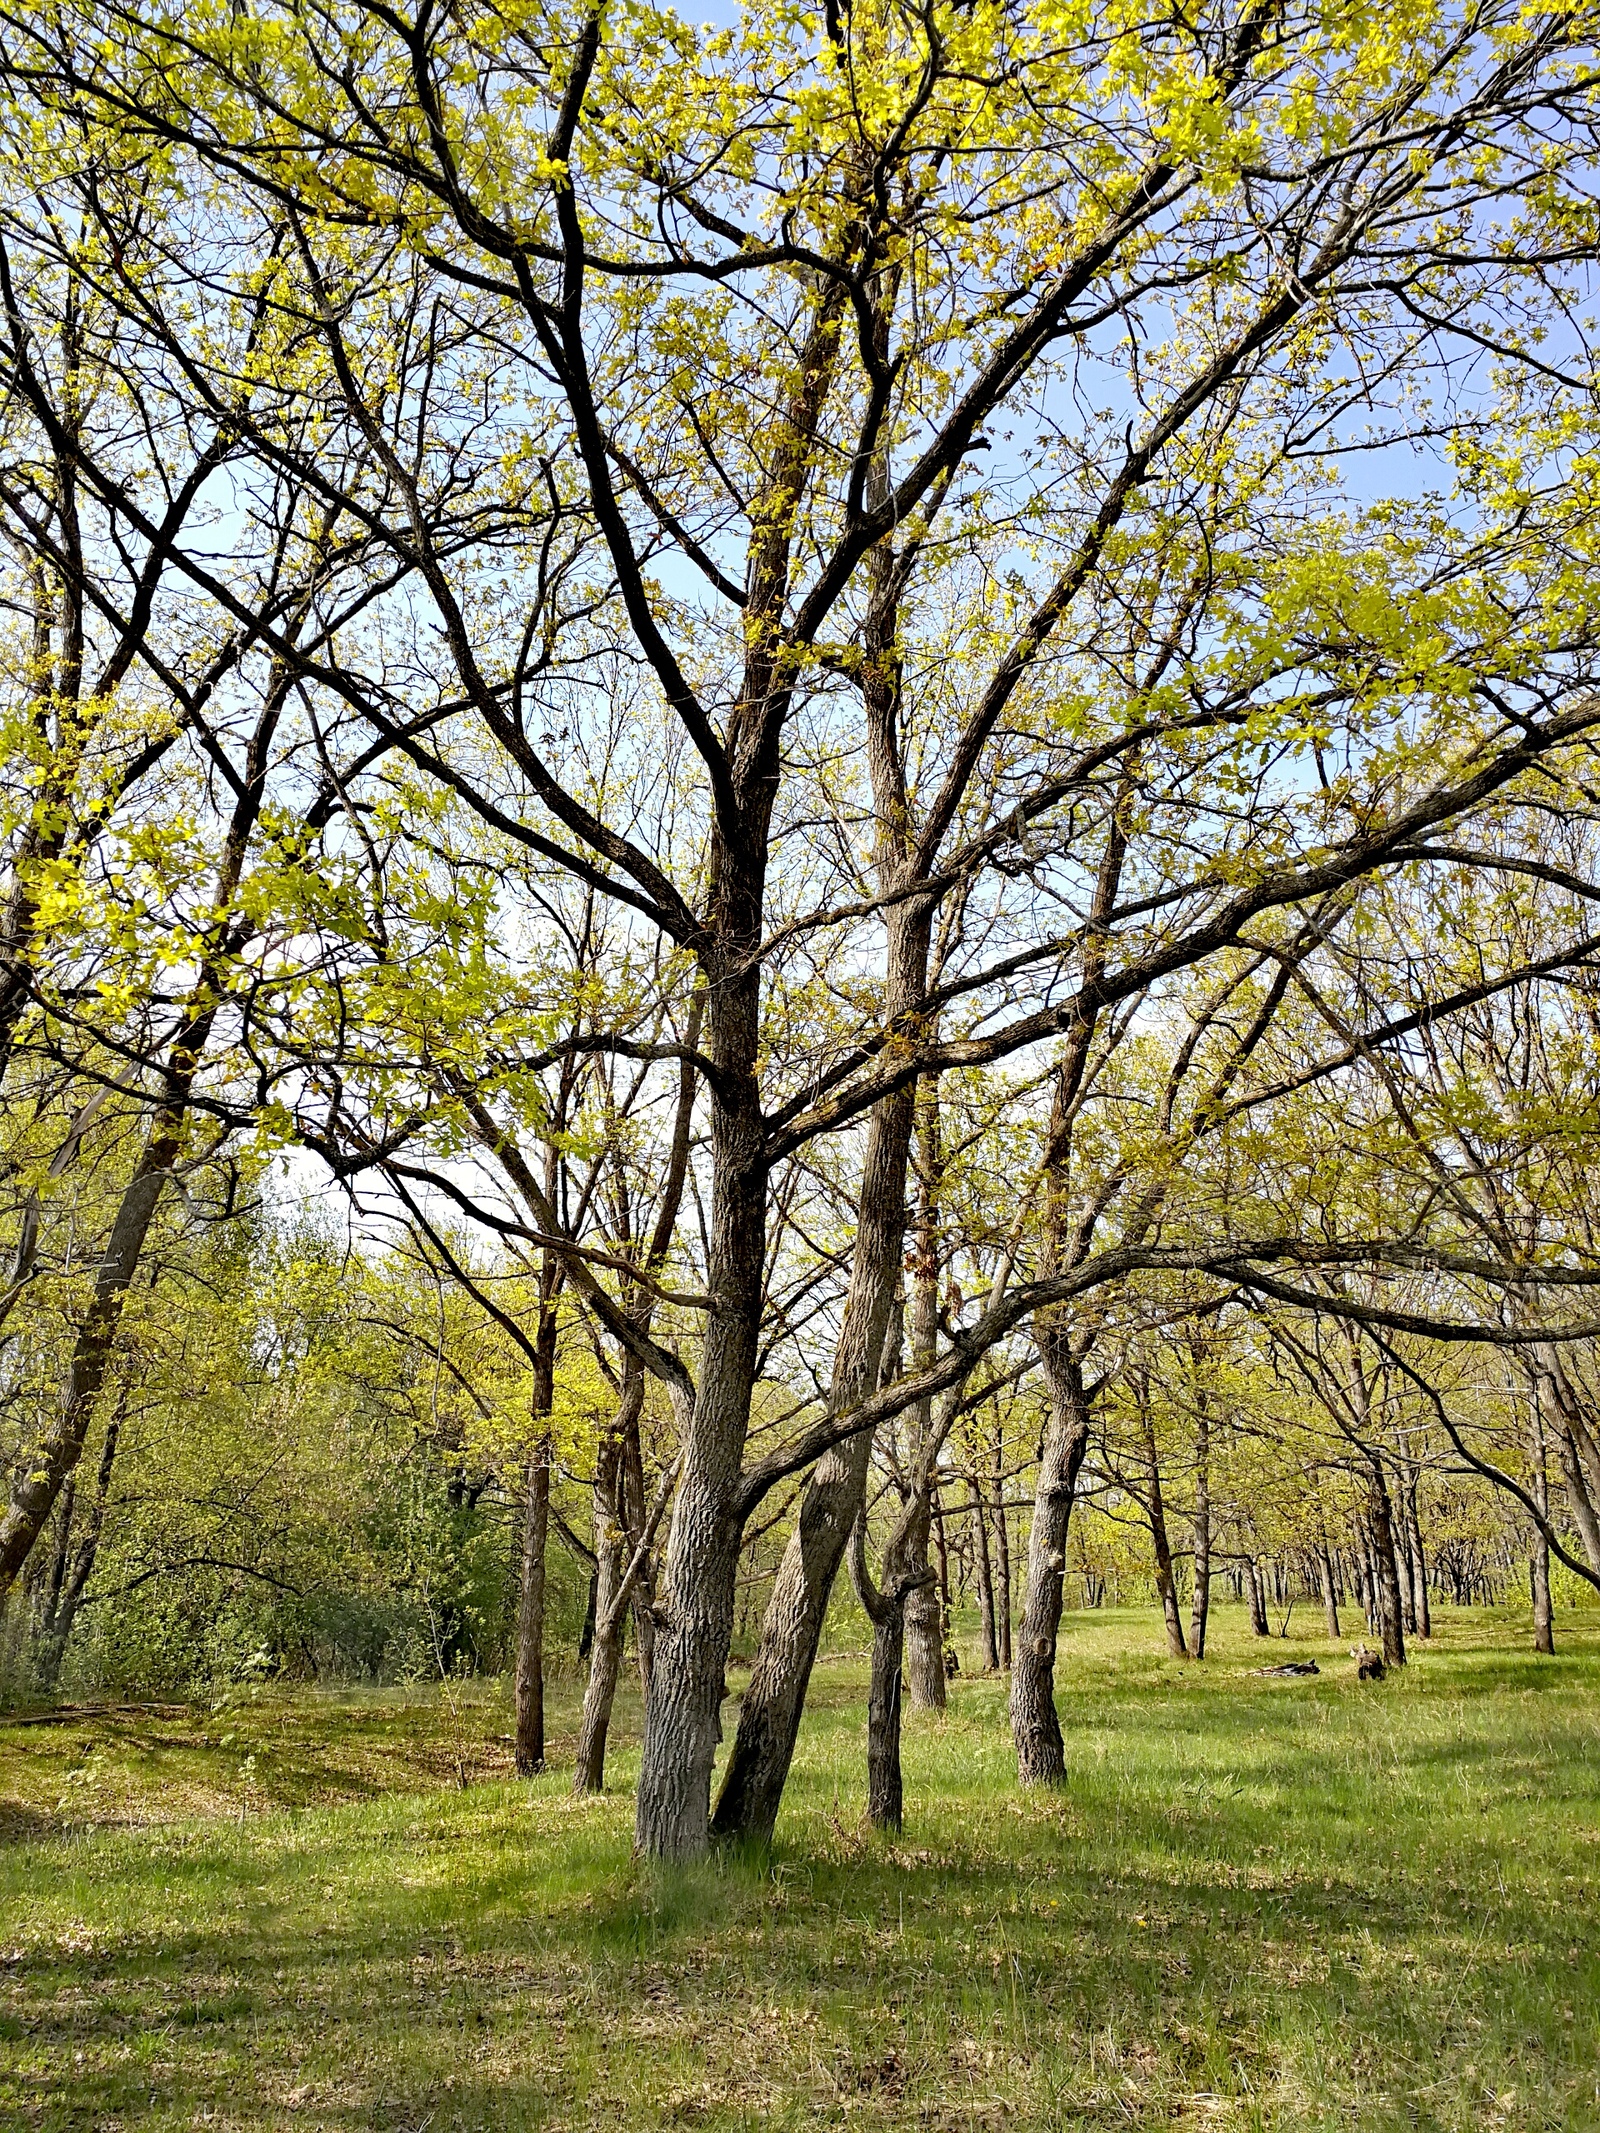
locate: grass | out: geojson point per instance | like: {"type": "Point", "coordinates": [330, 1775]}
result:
{"type": "Point", "coordinates": [1256, 1904]}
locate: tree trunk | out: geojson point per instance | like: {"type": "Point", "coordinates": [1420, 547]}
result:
{"type": "Point", "coordinates": [1165, 1584]}
{"type": "Point", "coordinates": [610, 1543]}
{"type": "Point", "coordinates": [1544, 1630]}
{"type": "Point", "coordinates": [984, 1574]}
{"type": "Point", "coordinates": [1035, 1727]}
{"type": "Point", "coordinates": [1408, 1597]}
{"type": "Point", "coordinates": [530, 1613]}
{"type": "Point", "coordinates": [1381, 1525]}
{"type": "Point", "coordinates": [1258, 1601]}
{"type": "Point", "coordinates": [1578, 1499]}
{"type": "Point", "coordinates": [769, 1717]}
{"type": "Point", "coordinates": [1330, 1596]}
{"type": "Point", "coordinates": [1419, 1562]}
{"type": "Point", "coordinates": [42, 1470]}
{"type": "Point", "coordinates": [1200, 1608]}
{"type": "Point", "coordinates": [70, 1579]}
{"type": "Point", "coordinates": [924, 1625]}
{"type": "Point", "coordinates": [1002, 1587]}
{"type": "Point", "coordinates": [885, 1787]}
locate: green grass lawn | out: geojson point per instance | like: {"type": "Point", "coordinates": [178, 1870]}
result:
{"type": "Point", "coordinates": [1256, 1904]}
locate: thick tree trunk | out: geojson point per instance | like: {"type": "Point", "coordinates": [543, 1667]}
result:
{"type": "Point", "coordinates": [1035, 1727]}
{"type": "Point", "coordinates": [769, 1717]}
{"type": "Point", "coordinates": [695, 1611]}
{"type": "Point", "coordinates": [1200, 1606]}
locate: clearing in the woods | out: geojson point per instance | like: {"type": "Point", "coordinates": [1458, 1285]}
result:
{"type": "Point", "coordinates": [1257, 1903]}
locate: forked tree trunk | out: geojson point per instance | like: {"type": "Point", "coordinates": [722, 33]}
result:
{"type": "Point", "coordinates": [696, 1606]}
{"type": "Point", "coordinates": [769, 1716]}
{"type": "Point", "coordinates": [1035, 1727]}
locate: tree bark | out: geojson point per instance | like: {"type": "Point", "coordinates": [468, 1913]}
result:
{"type": "Point", "coordinates": [530, 1613]}
{"type": "Point", "coordinates": [1544, 1628]}
{"type": "Point", "coordinates": [1421, 1611]}
{"type": "Point", "coordinates": [1200, 1605]}
{"type": "Point", "coordinates": [1380, 1519]}
{"type": "Point", "coordinates": [1403, 1563]}
{"type": "Point", "coordinates": [688, 1675]}
{"type": "Point", "coordinates": [924, 1626]}
{"type": "Point", "coordinates": [71, 1575]}
{"type": "Point", "coordinates": [886, 1612]}
{"type": "Point", "coordinates": [983, 1573]}
{"type": "Point", "coordinates": [1330, 1597]}
{"type": "Point", "coordinates": [1165, 1583]}
{"type": "Point", "coordinates": [1002, 1577]}
{"type": "Point", "coordinates": [1035, 1727]}
{"type": "Point", "coordinates": [769, 1717]}
{"type": "Point", "coordinates": [42, 1470]}
{"type": "Point", "coordinates": [1259, 1625]}
{"type": "Point", "coordinates": [610, 1540]}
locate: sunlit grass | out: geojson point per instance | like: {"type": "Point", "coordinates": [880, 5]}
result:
{"type": "Point", "coordinates": [1256, 1904]}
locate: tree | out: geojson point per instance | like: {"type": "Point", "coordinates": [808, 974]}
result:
{"type": "Point", "coordinates": [745, 359]}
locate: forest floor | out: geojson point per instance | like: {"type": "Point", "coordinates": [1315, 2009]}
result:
{"type": "Point", "coordinates": [1256, 1903]}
